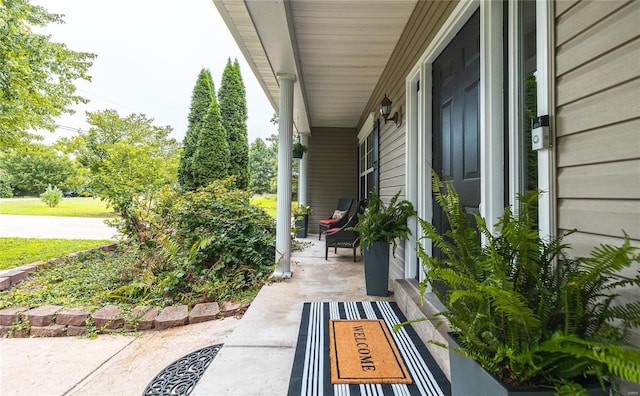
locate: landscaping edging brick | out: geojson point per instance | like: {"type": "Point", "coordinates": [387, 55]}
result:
{"type": "Point", "coordinates": [54, 321]}
{"type": "Point", "coordinates": [57, 321]}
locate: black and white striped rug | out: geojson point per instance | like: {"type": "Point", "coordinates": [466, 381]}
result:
{"type": "Point", "coordinates": [311, 373]}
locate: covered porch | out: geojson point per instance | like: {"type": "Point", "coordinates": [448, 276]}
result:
{"type": "Point", "coordinates": [258, 356]}
{"type": "Point", "coordinates": [323, 65]}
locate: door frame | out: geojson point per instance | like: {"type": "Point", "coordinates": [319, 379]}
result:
{"type": "Point", "coordinates": [419, 116]}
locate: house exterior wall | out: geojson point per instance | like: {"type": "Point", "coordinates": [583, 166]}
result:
{"type": "Point", "coordinates": [332, 171]}
{"type": "Point", "coordinates": [597, 82]}
{"type": "Point", "coordinates": [597, 79]}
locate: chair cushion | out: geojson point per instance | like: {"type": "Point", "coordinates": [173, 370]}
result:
{"type": "Point", "coordinates": [332, 230]}
{"type": "Point", "coordinates": [328, 221]}
{"type": "Point", "coordinates": [338, 214]}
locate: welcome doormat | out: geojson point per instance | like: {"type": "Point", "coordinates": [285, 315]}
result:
{"type": "Point", "coordinates": [363, 352]}
{"type": "Point", "coordinates": [311, 371]}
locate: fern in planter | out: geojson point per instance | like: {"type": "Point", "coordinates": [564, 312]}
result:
{"type": "Point", "coordinates": [380, 222]}
{"type": "Point", "coordinates": [525, 319]}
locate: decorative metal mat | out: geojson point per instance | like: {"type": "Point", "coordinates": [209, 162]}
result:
{"type": "Point", "coordinates": [181, 376]}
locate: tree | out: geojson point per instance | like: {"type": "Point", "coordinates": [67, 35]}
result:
{"type": "Point", "coordinates": [233, 109]}
{"type": "Point", "coordinates": [129, 160]}
{"type": "Point", "coordinates": [211, 157]}
{"type": "Point", "coordinates": [36, 74]}
{"type": "Point", "coordinates": [201, 98]}
{"type": "Point", "coordinates": [262, 165]}
{"type": "Point", "coordinates": [31, 168]}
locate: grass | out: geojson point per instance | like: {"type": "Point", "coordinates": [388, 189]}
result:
{"type": "Point", "coordinates": [68, 207]}
{"type": "Point", "coordinates": [266, 202]}
{"type": "Point", "coordinates": [17, 251]}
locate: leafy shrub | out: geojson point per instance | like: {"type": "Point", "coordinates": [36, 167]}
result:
{"type": "Point", "coordinates": [52, 196]}
{"type": "Point", "coordinates": [227, 244]}
{"type": "Point", "coordinates": [204, 245]}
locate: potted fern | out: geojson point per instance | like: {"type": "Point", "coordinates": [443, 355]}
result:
{"type": "Point", "coordinates": [529, 314]}
{"type": "Point", "coordinates": [379, 226]}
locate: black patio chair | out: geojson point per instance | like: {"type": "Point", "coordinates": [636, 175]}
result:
{"type": "Point", "coordinates": [341, 237]}
{"type": "Point", "coordinates": [344, 206]}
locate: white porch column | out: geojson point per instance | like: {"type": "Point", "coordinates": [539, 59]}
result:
{"type": "Point", "coordinates": [283, 214]}
{"type": "Point", "coordinates": [302, 175]}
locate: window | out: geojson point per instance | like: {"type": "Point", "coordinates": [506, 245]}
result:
{"type": "Point", "coordinates": [368, 161]}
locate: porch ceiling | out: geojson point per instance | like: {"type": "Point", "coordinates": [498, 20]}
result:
{"type": "Point", "coordinates": [337, 50]}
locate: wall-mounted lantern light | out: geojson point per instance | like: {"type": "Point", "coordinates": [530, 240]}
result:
{"type": "Point", "coordinates": [385, 110]}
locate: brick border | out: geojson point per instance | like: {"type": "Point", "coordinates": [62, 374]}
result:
{"type": "Point", "coordinates": [57, 321]}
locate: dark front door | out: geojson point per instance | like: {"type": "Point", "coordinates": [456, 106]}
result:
{"type": "Point", "coordinates": [456, 118]}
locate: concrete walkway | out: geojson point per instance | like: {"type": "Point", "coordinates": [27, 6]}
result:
{"type": "Point", "coordinates": [108, 365]}
{"type": "Point", "coordinates": [18, 226]}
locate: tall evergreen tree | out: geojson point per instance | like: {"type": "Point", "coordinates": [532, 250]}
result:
{"type": "Point", "coordinates": [201, 99]}
{"type": "Point", "coordinates": [233, 108]}
{"type": "Point", "coordinates": [212, 154]}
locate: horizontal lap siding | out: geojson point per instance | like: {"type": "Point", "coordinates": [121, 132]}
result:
{"type": "Point", "coordinates": [332, 171]}
{"type": "Point", "coordinates": [597, 65]}
{"type": "Point", "coordinates": [598, 121]}
{"type": "Point", "coordinates": [427, 18]}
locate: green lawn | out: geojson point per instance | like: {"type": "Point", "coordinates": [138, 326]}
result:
{"type": "Point", "coordinates": [69, 207]}
{"type": "Point", "coordinates": [266, 202]}
{"type": "Point", "coordinates": [17, 251]}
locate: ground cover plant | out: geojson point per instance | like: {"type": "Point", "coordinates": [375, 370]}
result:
{"type": "Point", "coordinates": [85, 280]}
{"type": "Point", "coordinates": [17, 251]}
{"type": "Point", "coordinates": [68, 207]}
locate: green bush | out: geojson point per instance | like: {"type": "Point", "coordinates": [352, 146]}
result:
{"type": "Point", "coordinates": [52, 196]}
{"type": "Point", "coordinates": [227, 244]}
{"type": "Point", "coordinates": [5, 185]}
{"type": "Point", "coordinates": [204, 245]}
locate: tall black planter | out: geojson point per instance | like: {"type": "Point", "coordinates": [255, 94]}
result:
{"type": "Point", "coordinates": [301, 222]}
{"type": "Point", "coordinates": [469, 378]}
{"type": "Point", "coordinates": [376, 269]}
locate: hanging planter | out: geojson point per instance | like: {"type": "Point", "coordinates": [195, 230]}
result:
{"type": "Point", "coordinates": [298, 150]}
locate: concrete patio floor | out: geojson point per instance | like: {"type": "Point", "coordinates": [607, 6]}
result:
{"type": "Point", "coordinates": [257, 357]}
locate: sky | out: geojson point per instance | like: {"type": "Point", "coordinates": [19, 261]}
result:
{"type": "Point", "coordinates": [149, 55]}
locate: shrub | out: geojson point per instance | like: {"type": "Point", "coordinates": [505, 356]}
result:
{"type": "Point", "coordinates": [204, 245]}
{"type": "Point", "coordinates": [5, 185]}
{"type": "Point", "coordinates": [227, 245]}
{"type": "Point", "coordinates": [52, 196]}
